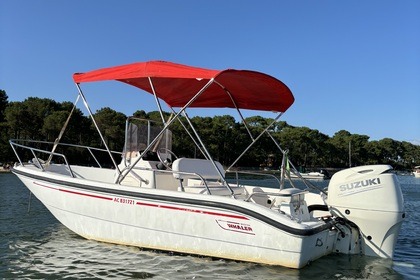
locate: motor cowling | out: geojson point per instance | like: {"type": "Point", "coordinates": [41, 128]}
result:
{"type": "Point", "coordinates": [370, 197]}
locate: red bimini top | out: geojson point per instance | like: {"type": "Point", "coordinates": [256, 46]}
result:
{"type": "Point", "coordinates": [177, 84]}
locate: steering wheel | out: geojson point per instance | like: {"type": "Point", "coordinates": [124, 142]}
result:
{"type": "Point", "coordinates": [166, 162]}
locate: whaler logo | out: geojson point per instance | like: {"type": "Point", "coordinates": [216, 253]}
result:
{"type": "Point", "coordinates": [237, 227]}
{"type": "Point", "coordinates": [360, 186]}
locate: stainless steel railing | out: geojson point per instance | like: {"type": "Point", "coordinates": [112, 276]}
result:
{"type": "Point", "coordinates": [40, 163]}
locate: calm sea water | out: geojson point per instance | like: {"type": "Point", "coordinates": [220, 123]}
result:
{"type": "Point", "coordinates": [34, 245]}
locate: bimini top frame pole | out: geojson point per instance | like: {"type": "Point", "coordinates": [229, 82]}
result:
{"type": "Point", "coordinates": [157, 100]}
{"type": "Point", "coordinates": [189, 133]}
{"type": "Point", "coordinates": [285, 160]}
{"type": "Point", "coordinates": [58, 139]}
{"type": "Point", "coordinates": [97, 127]}
{"type": "Point", "coordinates": [255, 140]}
{"type": "Point", "coordinates": [237, 109]}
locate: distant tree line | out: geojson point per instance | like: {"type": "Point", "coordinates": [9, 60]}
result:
{"type": "Point", "coordinates": [42, 119]}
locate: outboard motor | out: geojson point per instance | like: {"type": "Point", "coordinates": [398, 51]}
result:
{"type": "Point", "coordinates": [370, 197]}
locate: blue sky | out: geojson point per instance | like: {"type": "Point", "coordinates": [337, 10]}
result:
{"type": "Point", "coordinates": [352, 65]}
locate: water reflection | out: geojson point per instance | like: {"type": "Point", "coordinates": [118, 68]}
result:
{"type": "Point", "coordinates": [65, 254]}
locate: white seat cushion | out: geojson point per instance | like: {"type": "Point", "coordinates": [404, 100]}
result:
{"type": "Point", "coordinates": [203, 167]}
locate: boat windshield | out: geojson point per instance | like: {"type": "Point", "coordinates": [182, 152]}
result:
{"type": "Point", "coordinates": [140, 133]}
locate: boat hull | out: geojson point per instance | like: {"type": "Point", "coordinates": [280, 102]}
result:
{"type": "Point", "coordinates": [172, 221]}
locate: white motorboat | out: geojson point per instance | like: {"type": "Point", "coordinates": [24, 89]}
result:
{"type": "Point", "coordinates": [416, 171]}
{"type": "Point", "coordinates": [190, 206]}
{"type": "Point", "coordinates": [309, 175]}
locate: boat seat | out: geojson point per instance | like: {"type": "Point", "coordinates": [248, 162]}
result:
{"type": "Point", "coordinates": [191, 166]}
{"type": "Point", "coordinates": [292, 202]}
